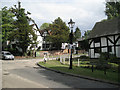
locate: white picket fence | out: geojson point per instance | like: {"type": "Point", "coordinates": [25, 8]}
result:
{"type": "Point", "coordinates": [63, 58]}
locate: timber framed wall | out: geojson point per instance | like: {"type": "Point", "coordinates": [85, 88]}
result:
{"type": "Point", "coordinates": [109, 43]}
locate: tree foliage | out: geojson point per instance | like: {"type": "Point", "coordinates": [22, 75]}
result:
{"type": "Point", "coordinates": [77, 34]}
{"type": "Point", "coordinates": [86, 34]}
{"type": "Point", "coordinates": [112, 9]}
{"type": "Point", "coordinates": [6, 24]}
{"type": "Point", "coordinates": [44, 26]}
{"type": "Point", "coordinates": [85, 43]}
{"type": "Point", "coordinates": [59, 33]}
{"type": "Point", "coordinates": [23, 34]}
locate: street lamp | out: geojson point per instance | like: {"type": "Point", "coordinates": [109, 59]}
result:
{"type": "Point", "coordinates": [71, 25]}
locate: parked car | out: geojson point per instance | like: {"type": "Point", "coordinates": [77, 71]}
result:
{"type": "Point", "coordinates": [7, 55]}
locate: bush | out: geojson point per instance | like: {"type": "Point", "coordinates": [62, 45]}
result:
{"type": "Point", "coordinates": [113, 58]}
{"type": "Point", "coordinates": [84, 57]}
{"type": "Point", "coordinates": [103, 61]}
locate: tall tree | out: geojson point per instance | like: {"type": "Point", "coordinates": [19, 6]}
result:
{"type": "Point", "coordinates": [23, 33]}
{"type": "Point", "coordinates": [59, 33]}
{"type": "Point", "coordinates": [112, 9]}
{"type": "Point", "coordinates": [85, 43]}
{"type": "Point", "coordinates": [86, 34]}
{"type": "Point", "coordinates": [77, 34]}
{"type": "Point", "coordinates": [44, 26]}
{"type": "Point", "coordinates": [6, 25]}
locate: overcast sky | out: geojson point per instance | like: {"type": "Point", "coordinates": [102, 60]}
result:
{"type": "Point", "coordinates": [85, 13]}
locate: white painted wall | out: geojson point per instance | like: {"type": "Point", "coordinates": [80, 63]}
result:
{"type": "Point", "coordinates": [112, 38]}
{"type": "Point", "coordinates": [103, 41]}
{"type": "Point", "coordinates": [92, 45]}
{"type": "Point", "coordinates": [40, 41]}
{"type": "Point", "coordinates": [64, 45]}
{"type": "Point", "coordinates": [92, 53]}
{"type": "Point", "coordinates": [97, 44]}
{"type": "Point", "coordinates": [116, 36]}
{"type": "Point", "coordinates": [118, 43]}
{"type": "Point", "coordinates": [104, 49]}
{"type": "Point", "coordinates": [118, 51]}
{"type": "Point", "coordinates": [113, 50]}
{"type": "Point", "coordinates": [97, 55]}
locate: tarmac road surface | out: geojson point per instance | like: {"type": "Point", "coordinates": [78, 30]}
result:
{"type": "Point", "coordinates": [26, 74]}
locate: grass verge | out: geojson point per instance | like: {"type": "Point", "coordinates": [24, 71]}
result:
{"type": "Point", "coordinates": [98, 74]}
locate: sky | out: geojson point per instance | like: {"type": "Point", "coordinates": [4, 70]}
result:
{"type": "Point", "coordinates": [85, 13]}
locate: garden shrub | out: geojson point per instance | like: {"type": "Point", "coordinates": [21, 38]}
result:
{"type": "Point", "coordinates": [103, 61]}
{"type": "Point", "coordinates": [113, 58]}
{"type": "Point", "coordinates": [84, 57]}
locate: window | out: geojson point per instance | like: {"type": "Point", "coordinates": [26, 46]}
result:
{"type": "Point", "coordinates": [96, 40]}
{"type": "Point", "coordinates": [97, 50]}
{"type": "Point", "coordinates": [109, 48]}
{"type": "Point", "coordinates": [46, 45]}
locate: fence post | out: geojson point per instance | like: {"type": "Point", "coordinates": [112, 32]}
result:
{"type": "Point", "coordinates": [52, 57]}
{"type": "Point", "coordinates": [48, 57]}
{"type": "Point", "coordinates": [60, 59]}
{"type": "Point", "coordinates": [64, 60]}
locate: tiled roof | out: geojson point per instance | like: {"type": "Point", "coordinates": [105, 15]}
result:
{"type": "Point", "coordinates": [109, 27]}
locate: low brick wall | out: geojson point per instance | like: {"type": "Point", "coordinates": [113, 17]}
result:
{"type": "Point", "coordinates": [55, 52]}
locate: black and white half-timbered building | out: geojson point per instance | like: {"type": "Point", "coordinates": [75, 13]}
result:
{"type": "Point", "coordinates": [105, 37]}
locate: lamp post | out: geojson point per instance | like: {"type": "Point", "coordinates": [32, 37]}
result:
{"type": "Point", "coordinates": [71, 25]}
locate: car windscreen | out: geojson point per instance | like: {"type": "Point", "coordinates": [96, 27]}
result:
{"type": "Point", "coordinates": [7, 53]}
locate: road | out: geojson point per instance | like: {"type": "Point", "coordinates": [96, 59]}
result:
{"type": "Point", "coordinates": [26, 74]}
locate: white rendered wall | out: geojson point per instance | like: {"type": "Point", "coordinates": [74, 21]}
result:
{"type": "Point", "coordinates": [112, 38]}
{"type": "Point", "coordinates": [118, 51]}
{"type": "Point", "coordinates": [97, 55]}
{"type": "Point", "coordinates": [118, 43]}
{"type": "Point", "coordinates": [92, 53]}
{"type": "Point", "coordinates": [104, 49]}
{"type": "Point", "coordinates": [116, 36]}
{"type": "Point", "coordinates": [103, 41]}
{"type": "Point", "coordinates": [97, 44]}
{"type": "Point", "coordinates": [112, 50]}
{"type": "Point", "coordinates": [40, 41]}
{"type": "Point", "coordinates": [64, 45]}
{"type": "Point", "coordinates": [92, 45]}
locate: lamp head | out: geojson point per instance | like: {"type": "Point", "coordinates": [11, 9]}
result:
{"type": "Point", "coordinates": [71, 23]}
